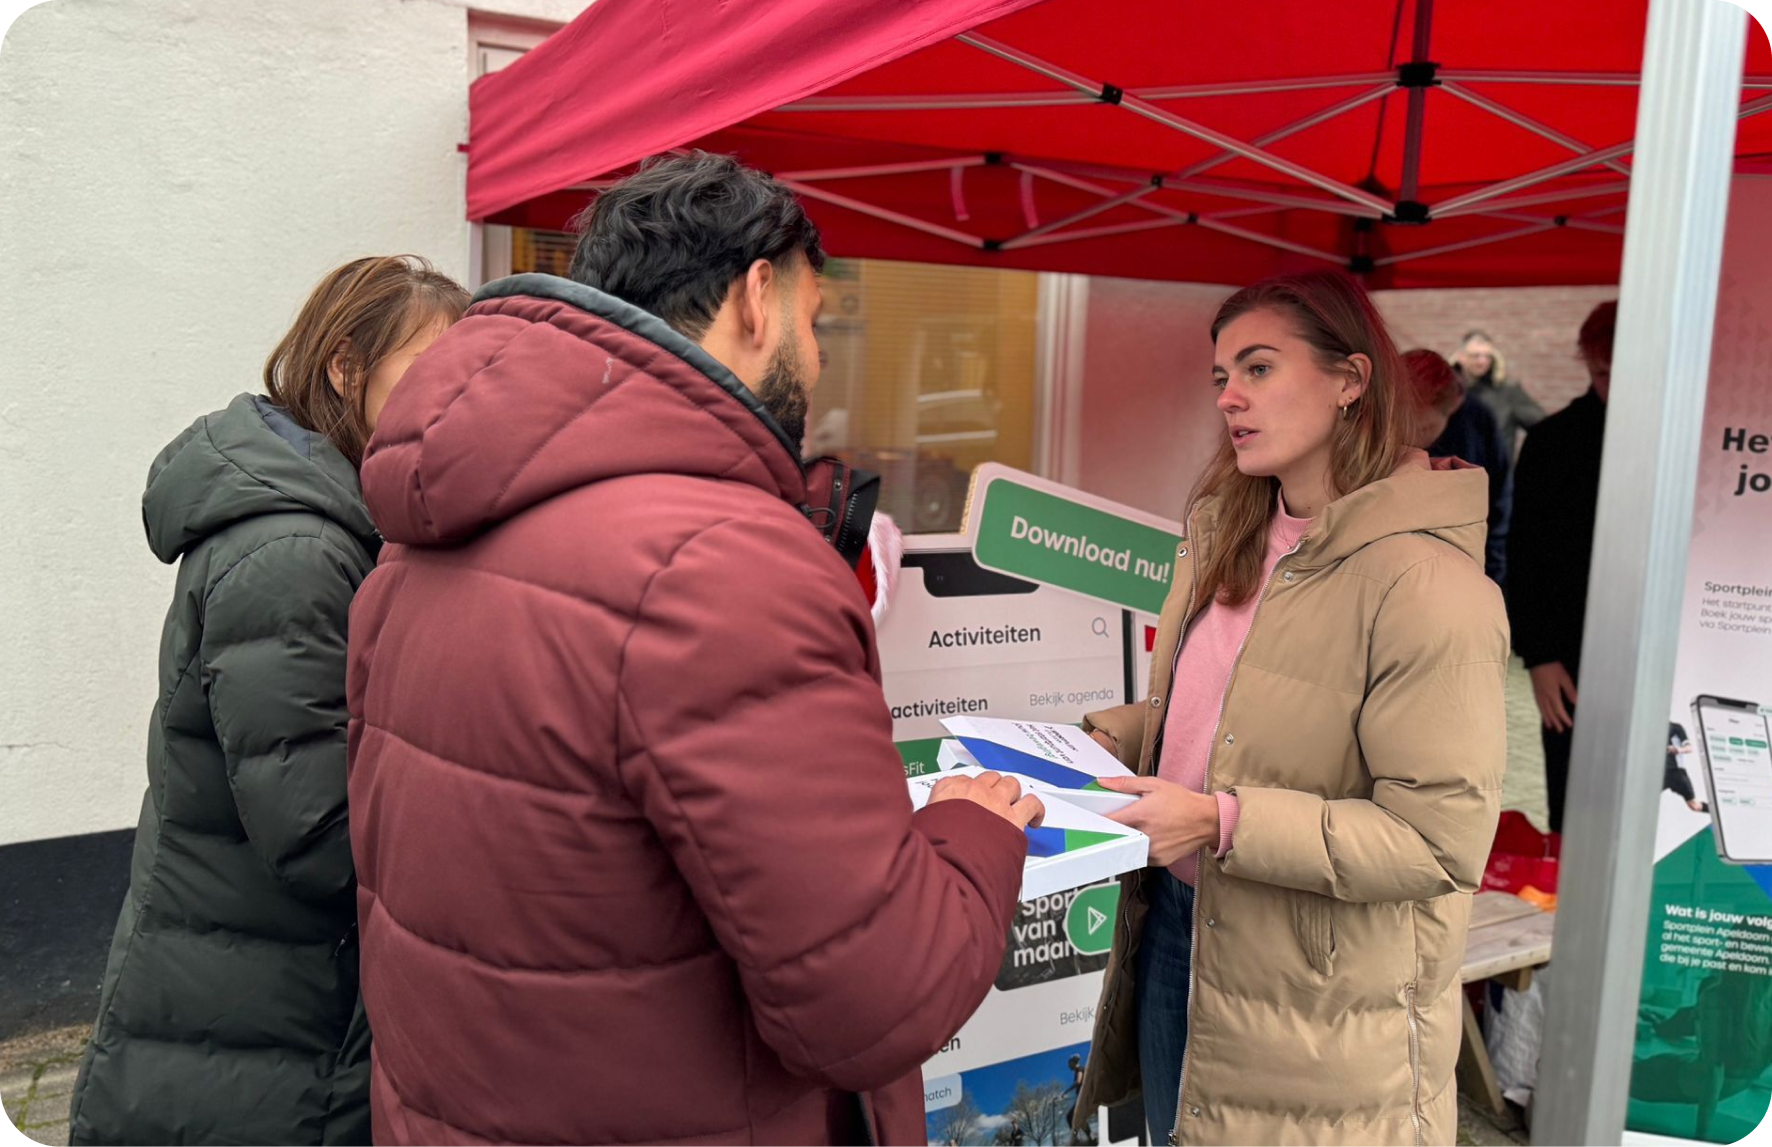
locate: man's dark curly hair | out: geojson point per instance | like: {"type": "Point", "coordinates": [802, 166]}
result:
{"type": "Point", "coordinates": [672, 237]}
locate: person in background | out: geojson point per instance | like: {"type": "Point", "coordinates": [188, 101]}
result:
{"type": "Point", "coordinates": [230, 1011]}
{"type": "Point", "coordinates": [639, 864]}
{"type": "Point", "coordinates": [1674, 777]}
{"type": "Point", "coordinates": [1484, 372]}
{"type": "Point", "coordinates": [1449, 422]}
{"type": "Point", "coordinates": [1550, 549]}
{"type": "Point", "coordinates": [1319, 761]}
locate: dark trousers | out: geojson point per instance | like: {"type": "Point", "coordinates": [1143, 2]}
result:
{"type": "Point", "coordinates": [1165, 956]}
{"type": "Point", "coordinates": [1556, 769]}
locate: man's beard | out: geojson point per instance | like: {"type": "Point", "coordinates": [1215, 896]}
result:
{"type": "Point", "coordinates": [783, 393]}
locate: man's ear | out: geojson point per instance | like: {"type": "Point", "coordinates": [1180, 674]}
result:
{"type": "Point", "coordinates": [759, 303]}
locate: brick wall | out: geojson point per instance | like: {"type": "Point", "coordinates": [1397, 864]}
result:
{"type": "Point", "coordinates": [1533, 327]}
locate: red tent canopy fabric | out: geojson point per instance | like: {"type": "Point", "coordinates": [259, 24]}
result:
{"type": "Point", "coordinates": [1421, 143]}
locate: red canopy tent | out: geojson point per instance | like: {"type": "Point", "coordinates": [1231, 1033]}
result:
{"type": "Point", "coordinates": [1421, 143]}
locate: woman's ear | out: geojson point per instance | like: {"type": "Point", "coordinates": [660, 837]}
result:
{"type": "Point", "coordinates": [1354, 386]}
{"type": "Point", "coordinates": [338, 366]}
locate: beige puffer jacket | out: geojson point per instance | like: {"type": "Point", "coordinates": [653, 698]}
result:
{"type": "Point", "coordinates": [1364, 735]}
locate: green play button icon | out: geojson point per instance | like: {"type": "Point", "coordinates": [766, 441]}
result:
{"type": "Point", "coordinates": [1090, 922]}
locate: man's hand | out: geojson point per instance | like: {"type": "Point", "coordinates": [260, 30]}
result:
{"type": "Point", "coordinates": [1178, 820]}
{"type": "Point", "coordinates": [1000, 794]}
{"type": "Point", "coordinates": [1554, 690]}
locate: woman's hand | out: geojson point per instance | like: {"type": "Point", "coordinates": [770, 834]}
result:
{"type": "Point", "coordinates": [1178, 820]}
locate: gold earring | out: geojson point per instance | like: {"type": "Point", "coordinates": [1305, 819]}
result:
{"type": "Point", "coordinates": [1344, 408]}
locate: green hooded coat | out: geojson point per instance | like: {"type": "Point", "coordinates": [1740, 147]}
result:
{"type": "Point", "coordinates": [230, 1009]}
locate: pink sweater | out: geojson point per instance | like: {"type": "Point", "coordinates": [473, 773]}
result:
{"type": "Point", "coordinates": [1202, 675]}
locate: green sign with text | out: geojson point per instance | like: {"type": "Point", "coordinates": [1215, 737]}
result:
{"type": "Point", "coordinates": [1042, 537]}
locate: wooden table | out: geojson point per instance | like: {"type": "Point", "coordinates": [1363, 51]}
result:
{"type": "Point", "coordinates": [1509, 939]}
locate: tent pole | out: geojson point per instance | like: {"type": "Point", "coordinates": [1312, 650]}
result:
{"type": "Point", "coordinates": [1592, 191]}
{"type": "Point", "coordinates": [1596, 79]}
{"type": "Point", "coordinates": [1410, 190]}
{"type": "Point", "coordinates": [1533, 178]}
{"type": "Point", "coordinates": [1031, 240]}
{"type": "Point", "coordinates": [1484, 241]}
{"type": "Point", "coordinates": [1686, 120]}
{"type": "Point", "coordinates": [1576, 222]}
{"type": "Point", "coordinates": [968, 101]}
{"type": "Point", "coordinates": [869, 209]}
{"type": "Point", "coordinates": [1519, 119]}
{"type": "Point", "coordinates": [1568, 166]}
{"type": "Point", "coordinates": [1050, 169]}
{"type": "Point", "coordinates": [1270, 241]}
{"type": "Point", "coordinates": [910, 168]}
{"type": "Point", "coordinates": [1296, 126]}
{"type": "Point", "coordinates": [1089, 212]}
{"type": "Point", "coordinates": [1152, 112]}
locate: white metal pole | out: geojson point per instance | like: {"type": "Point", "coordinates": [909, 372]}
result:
{"type": "Point", "coordinates": [1686, 116]}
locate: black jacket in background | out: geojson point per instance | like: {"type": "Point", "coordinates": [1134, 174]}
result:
{"type": "Point", "coordinates": [1473, 435]}
{"type": "Point", "coordinates": [1551, 537]}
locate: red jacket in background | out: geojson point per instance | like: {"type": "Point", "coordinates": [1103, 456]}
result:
{"type": "Point", "coordinates": [636, 859]}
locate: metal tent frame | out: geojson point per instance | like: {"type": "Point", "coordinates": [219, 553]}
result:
{"type": "Point", "coordinates": [1501, 201]}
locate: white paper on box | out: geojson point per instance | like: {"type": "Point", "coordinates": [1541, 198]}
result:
{"type": "Point", "coordinates": [951, 754]}
{"type": "Point", "coordinates": [1066, 746]}
{"type": "Point", "coordinates": [1074, 846]}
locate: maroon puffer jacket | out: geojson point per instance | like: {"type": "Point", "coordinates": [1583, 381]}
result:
{"type": "Point", "coordinates": [636, 860]}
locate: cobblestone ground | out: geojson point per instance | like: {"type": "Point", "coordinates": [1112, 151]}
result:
{"type": "Point", "coordinates": [37, 1071]}
{"type": "Point", "coordinates": [37, 1081]}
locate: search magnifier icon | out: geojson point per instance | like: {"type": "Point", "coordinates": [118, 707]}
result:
{"type": "Point", "coordinates": [1099, 627]}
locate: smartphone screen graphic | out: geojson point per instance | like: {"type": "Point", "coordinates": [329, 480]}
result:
{"type": "Point", "coordinates": [1737, 744]}
{"type": "Point", "coordinates": [962, 641]}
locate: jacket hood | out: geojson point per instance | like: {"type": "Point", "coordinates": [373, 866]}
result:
{"type": "Point", "coordinates": [247, 459]}
{"type": "Point", "coordinates": [1443, 498]}
{"type": "Point", "coordinates": [546, 385]}
{"type": "Point", "coordinates": [1447, 502]}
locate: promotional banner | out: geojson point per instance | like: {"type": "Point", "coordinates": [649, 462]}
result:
{"type": "Point", "coordinates": [1703, 1061]}
{"type": "Point", "coordinates": [1044, 637]}
{"type": "Point", "coordinates": [959, 640]}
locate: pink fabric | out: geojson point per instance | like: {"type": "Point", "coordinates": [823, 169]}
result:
{"type": "Point", "coordinates": [1202, 674]}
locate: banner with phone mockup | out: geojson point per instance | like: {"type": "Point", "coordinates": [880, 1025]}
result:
{"type": "Point", "coordinates": [1703, 1061]}
{"type": "Point", "coordinates": [961, 640]}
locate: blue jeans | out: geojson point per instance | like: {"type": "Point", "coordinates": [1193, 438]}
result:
{"type": "Point", "coordinates": [1164, 959]}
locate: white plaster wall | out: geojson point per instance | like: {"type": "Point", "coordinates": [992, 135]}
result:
{"type": "Point", "coordinates": [174, 177]}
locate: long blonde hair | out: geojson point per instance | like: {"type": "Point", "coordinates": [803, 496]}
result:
{"type": "Point", "coordinates": [1335, 316]}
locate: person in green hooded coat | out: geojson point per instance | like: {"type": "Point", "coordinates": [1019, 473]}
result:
{"type": "Point", "coordinates": [230, 1009]}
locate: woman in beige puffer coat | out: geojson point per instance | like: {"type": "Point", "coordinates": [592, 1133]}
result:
{"type": "Point", "coordinates": [1319, 762]}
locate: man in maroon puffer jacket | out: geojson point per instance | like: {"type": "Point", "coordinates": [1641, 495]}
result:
{"type": "Point", "coordinates": [636, 859]}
